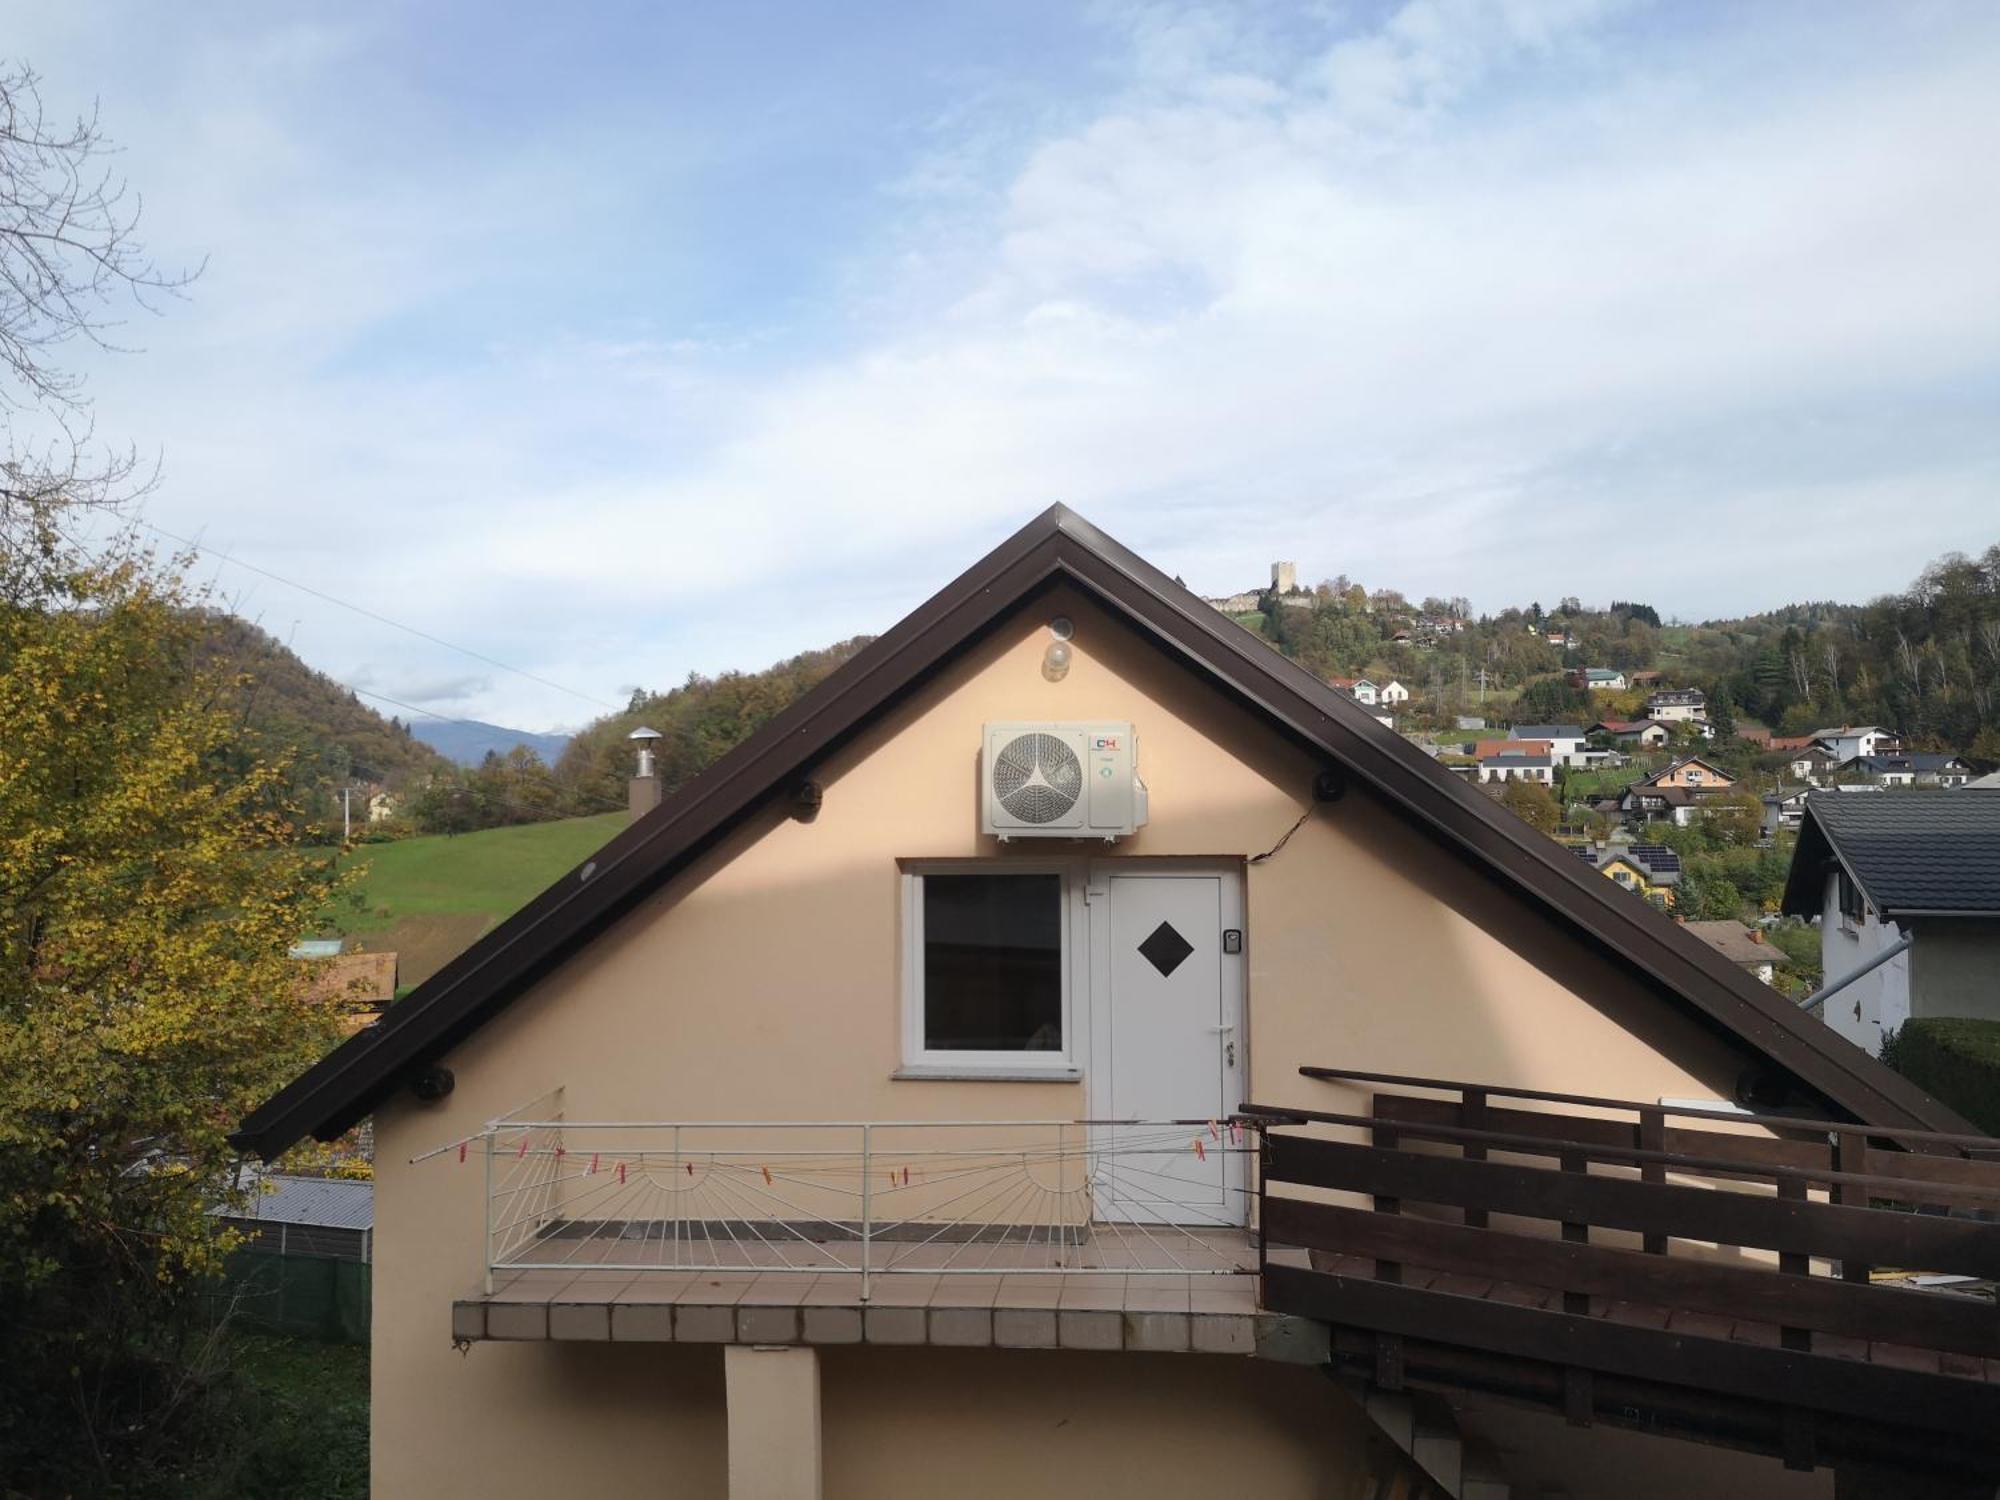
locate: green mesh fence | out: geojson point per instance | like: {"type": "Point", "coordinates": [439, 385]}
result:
{"type": "Point", "coordinates": [309, 1296]}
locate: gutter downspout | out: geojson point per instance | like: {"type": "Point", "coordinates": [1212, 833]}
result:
{"type": "Point", "coordinates": [1820, 996]}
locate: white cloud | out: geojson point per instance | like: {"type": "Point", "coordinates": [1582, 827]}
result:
{"type": "Point", "coordinates": [1464, 301]}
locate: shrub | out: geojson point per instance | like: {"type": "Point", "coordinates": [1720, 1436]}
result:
{"type": "Point", "coordinates": [1956, 1060]}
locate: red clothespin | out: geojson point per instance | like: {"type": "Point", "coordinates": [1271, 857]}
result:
{"type": "Point", "coordinates": [524, 1146]}
{"type": "Point", "coordinates": [593, 1164]}
{"type": "Point", "coordinates": [690, 1167]}
{"type": "Point", "coordinates": [1200, 1151]}
{"type": "Point", "coordinates": [461, 1150]}
{"type": "Point", "coordinates": [561, 1151]}
{"type": "Point", "coordinates": [621, 1172]}
{"type": "Point", "coordinates": [906, 1177]}
{"type": "Point", "coordinates": [1235, 1132]}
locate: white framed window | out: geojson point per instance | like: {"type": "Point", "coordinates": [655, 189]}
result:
{"type": "Point", "coordinates": [990, 950]}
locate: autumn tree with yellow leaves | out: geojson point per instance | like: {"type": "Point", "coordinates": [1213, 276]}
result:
{"type": "Point", "coordinates": [149, 889]}
{"type": "Point", "coordinates": [150, 885]}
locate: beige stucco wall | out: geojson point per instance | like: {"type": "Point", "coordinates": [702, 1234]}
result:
{"type": "Point", "coordinates": [1000, 1424]}
{"type": "Point", "coordinates": [764, 986]}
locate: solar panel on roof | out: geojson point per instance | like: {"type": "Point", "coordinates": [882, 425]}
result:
{"type": "Point", "coordinates": [1658, 856]}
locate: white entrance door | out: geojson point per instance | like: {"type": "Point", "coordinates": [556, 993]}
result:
{"type": "Point", "coordinates": [1170, 1046]}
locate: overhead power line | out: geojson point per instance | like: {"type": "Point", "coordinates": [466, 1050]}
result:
{"type": "Point", "coordinates": [549, 780]}
{"type": "Point", "coordinates": [380, 619]}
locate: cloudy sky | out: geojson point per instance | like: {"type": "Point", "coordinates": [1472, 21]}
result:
{"type": "Point", "coordinates": [618, 341]}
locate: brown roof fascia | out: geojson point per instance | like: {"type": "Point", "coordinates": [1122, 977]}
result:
{"type": "Point", "coordinates": [345, 1086]}
{"type": "Point", "coordinates": [1621, 921]}
{"type": "Point", "coordinates": [348, 1083]}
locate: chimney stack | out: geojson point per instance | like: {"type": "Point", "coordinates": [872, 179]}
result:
{"type": "Point", "coordinates": [644, 793]}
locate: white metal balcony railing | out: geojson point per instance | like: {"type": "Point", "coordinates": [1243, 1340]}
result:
{"type": "Point", "coordinates": [867, 1198]}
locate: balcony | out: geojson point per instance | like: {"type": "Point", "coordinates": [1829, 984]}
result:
{"type": "Point", "coordinates": [1818, 1291]}
{"type": "Point", "coordinates": [1814, 1290]}
{"type": "Point", "coordinates": [1025, 1234]}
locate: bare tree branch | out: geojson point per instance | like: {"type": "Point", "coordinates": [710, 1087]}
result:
{"type": "Point", "coordinates": [69, 258]}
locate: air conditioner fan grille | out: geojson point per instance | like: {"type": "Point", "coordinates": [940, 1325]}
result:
{"type": "Point", "coordinates": [1037, 778]}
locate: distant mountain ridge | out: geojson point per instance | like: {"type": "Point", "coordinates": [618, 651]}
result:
{"type": "Point", "coordinates": [469, 741]}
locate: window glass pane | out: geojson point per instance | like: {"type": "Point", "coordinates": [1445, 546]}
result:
{"type": "Point", "coordinates": [993, 963]}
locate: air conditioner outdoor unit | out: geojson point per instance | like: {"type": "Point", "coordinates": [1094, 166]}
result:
{"type": "Point", "coordinates": [1061, 781]}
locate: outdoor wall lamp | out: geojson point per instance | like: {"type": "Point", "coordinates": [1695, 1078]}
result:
{"type": "Point", "coordinates": [806, 799]}
{"type": "Point", "coordinates": [1055, 660]}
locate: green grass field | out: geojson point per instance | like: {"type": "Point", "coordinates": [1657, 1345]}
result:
{"type": "Point", "coordinates": [492, 873]}
{"type": "Point", "coordinates": [427, 898]}
{"type": "Point", "coordinates": [1581, 784]}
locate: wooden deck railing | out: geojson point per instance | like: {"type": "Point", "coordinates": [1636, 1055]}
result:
{"type": "Point", "coordinates": [1459, 1234]}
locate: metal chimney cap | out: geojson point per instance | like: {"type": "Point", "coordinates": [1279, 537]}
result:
{"type": "Point", "coordinates": [642, 733]}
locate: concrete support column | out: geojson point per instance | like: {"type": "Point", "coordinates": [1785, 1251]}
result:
{"type": "Point", "coordinates": [773, 1395]}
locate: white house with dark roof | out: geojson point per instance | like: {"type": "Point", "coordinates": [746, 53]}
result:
{"type": "Point", "coordinates": [1847, 741]}
{"type": "Point", "coordinates": [1565, 741]}
{"type": "Point", "coordinates": [1909, 768]}
{"type": "Point", "coordinates": [1877, 870]}
{"type": "Point", "coordinates": [1784, 808]}
{"type": "Point", "coordinates": [1530, 763]}
{"type": "Point", "coordinates": [1677, 705]}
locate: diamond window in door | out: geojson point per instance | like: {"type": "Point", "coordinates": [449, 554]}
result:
{"type": "Point", "coordinates": [1165, 949]}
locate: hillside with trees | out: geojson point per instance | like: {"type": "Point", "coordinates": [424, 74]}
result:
{"type": "Point", "coordinates": [1924, 662]}
{"type": "Point", "coordinates": [337, 735]}
{"type": "Point", "coordinates": [699, 721]}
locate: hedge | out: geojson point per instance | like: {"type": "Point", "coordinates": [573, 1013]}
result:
{"type": "Point", "coordinates": [1955, 1060]}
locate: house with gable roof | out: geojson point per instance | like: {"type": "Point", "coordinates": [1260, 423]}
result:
{"type": "Point", "coordinates": [1911, 886]}
{"type": "Point", "coordinates": [1642, 733]}
{"type": "Point", "coordinates": [1847, 741]}
{"type": "Point", "coordinates": [993, 1077]}
{"type": "Point", "coordinates": [1565, 741]}
{"type": "Point", "coordinates": [1677, 705]}
{"type": "Point", "coordinates": [1905, 768]}
{"type": "Point", "coordinates": [1675, 793]}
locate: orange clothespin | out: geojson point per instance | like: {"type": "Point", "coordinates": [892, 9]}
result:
{"type": "Point", "coordinates": [621, 1172]}
{"type": "Point", "coordinates": [1200, 1151]}
{"type": "Point", "coordinates": [1214, 1132]}
{"type": "Point", "coordinates": [767, 1176]}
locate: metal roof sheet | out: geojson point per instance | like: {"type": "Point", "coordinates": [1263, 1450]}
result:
{"type": "Point", "coordinates": [329, 1202]}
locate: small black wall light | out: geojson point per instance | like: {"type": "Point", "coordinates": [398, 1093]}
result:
{"type": "Point", "coordinates": [1329, 784]}
{"type": "Point", "coordinates": [433, 1084]}
{"type": "Point", "coordinates": [806, 799]}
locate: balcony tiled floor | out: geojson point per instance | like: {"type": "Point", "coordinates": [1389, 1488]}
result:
{"type": "Point", "coordinates": [1115, 1292]}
